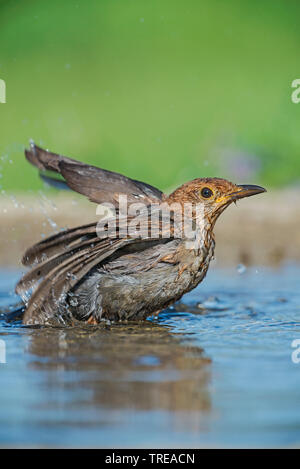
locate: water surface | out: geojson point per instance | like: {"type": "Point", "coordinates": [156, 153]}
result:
{"type": "Point", "coordinates": [216, 370]}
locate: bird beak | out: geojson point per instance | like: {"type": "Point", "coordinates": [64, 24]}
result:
{"type": "Point", "coordinates": [241, 192]}
{"type": "Point", "coordinates": [246, 191]}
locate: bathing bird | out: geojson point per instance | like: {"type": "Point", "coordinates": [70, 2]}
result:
{"type": "Point", "coordinates": [130, 264]}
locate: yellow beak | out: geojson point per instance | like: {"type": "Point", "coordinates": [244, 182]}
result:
{"type": "Point", "coordinates": [243, 190]}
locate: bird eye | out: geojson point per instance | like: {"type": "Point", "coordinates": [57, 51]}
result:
{"type": "Point", "coordinates": [206, 192]}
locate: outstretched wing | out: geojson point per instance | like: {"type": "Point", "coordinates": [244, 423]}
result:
{"type": "Point", "coordinates": [99, 185]}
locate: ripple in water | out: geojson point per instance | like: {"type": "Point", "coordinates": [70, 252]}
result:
{"type": "Point", "coordinates": [214, 370]}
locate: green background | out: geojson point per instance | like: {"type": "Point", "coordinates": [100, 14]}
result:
{"type": "Point", "coordinates": [160, 90]}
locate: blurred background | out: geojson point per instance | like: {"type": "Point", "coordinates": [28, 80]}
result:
{"type": "Point", "coordinates": [162, 91]}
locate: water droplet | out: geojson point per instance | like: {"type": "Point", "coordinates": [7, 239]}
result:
{"type": "Point", "coordinates": [73, 301]}
{"type": "Point", "coordinates": [241, 269]}
{"type": "Point", "coordinates": [14, 200]}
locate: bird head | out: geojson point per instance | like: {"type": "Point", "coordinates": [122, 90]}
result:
{"type": "Point", "coordinates": [212, 194]}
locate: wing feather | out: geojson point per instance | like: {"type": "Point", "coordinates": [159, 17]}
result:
{"type": "Point", "coordinates": [99, 185]}
{"type": "Point", "coordinates": [57, 243]}
{"type": "Point", "coordinates": [47, 300]}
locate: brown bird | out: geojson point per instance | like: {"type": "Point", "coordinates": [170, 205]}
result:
{"type": "Point", "coordinates": [130, 266]}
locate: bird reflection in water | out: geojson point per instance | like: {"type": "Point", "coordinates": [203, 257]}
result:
{"type": "Point", "coordinates": [136, 366]}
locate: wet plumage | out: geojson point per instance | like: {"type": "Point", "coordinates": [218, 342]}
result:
{"type": "Point", "coordinates": [89, 275]}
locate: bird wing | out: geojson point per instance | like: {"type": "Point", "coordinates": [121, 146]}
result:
{"type": "Point", "coordinates": [58, 264]}
{"type": "Point", "coordinates": [99, 185]}
{"type": "Point", "coordinates": [61, 261]}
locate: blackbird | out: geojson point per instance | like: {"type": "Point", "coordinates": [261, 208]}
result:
{"type": "Point", "coordinates": [129, 265]}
